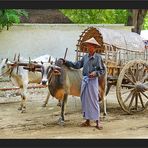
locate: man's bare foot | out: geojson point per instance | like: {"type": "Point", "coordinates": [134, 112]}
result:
{"type": "Point", "coordinates": [99, 127]}
{"type": "Point", "coordinates": [85, 124]}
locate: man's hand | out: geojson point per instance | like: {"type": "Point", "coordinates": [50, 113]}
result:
{"type": "Point", "coordinates": [92, 74]}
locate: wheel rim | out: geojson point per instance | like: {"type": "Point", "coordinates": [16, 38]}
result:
{"type": "Point", "coordinates": [132, 84]}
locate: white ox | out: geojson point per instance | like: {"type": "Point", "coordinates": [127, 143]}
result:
{"type": "Point", "coordinates": [21, 77]}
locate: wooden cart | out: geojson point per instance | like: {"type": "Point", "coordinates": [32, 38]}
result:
{"type": "Point", "coordinates": [126, 60]}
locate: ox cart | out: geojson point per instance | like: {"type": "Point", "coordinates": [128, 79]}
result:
{"type": "Point", "coordinates": [126, 59]}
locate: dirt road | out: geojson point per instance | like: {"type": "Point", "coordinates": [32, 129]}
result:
{"type": "Point", "coordinates": [39, 122]}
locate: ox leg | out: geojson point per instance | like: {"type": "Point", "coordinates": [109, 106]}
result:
{"type": "Point", "coordinates": [105, 93]}
{"type": "Point", "coordinates": [23, 101]}
{"type": "Point", "coordinates": [108, 88]}
{"type": "Point", "coordinates": [23, 104]}
{"type": "Point", "coordinates": [61, 119]}
{"type": "Point", "coordinates": [59, 103]}
{"type": "Point", "coordinates": [46, 101]}
{"type": "Point", "coordinates": [104, 106]}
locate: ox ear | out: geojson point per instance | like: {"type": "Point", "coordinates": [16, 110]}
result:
{"type": "Point", "coordinates": [56, 60]}
{"type": "Point", "coordinates": [29, 59]}
{"type": "Point", "coordinates": [49, 59]}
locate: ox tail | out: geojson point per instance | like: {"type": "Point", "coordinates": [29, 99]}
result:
{"type": "Point", "coordinates": [103, 95]}
{"type": "Point", "coordinates": [105, 100]}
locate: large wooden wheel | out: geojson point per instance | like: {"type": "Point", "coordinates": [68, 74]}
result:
{"type": "Point", "coordinates": [132, 87]}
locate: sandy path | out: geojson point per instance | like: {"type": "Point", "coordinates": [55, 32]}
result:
{"type": "Point", "coordinates": [41, 122]}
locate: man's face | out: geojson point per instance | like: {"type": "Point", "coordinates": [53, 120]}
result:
{"type": "Point", "coordinates": [91, 48]}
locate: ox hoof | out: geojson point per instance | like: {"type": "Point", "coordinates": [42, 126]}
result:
{"type": "Point", "coordinates": [61, 122]}
{"type": "Point", "coordinates": [60, 119]}
{"type": "Point", "coordinates": [23, 110]}
{"type": "Point", "coordinates": [104, 114]}
{"type": "Point", "coordinates": [20, 108]}
{"type": "Point", "coordinates": [44, 105]}
{"type": "Point", "coordinates": [59, 104]}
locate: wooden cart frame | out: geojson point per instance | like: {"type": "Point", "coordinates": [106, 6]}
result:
{"type": "Point", "coordinates": [126, 59]}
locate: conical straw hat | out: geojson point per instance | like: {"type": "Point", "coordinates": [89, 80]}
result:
{"type": "Point", "coordinates": [92, 41]}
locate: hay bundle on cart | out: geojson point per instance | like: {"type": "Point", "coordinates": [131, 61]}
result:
{"type": "Point", "coordinates": [125, 56]}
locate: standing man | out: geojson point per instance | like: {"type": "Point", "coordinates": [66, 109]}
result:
{"type": "Point", "coordinates": [93, 68]}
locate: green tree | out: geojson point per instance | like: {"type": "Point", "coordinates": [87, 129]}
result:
{"type": "Point", "coordinates": [10, 16]}
{"type": "Point", "coordinates": [131, 17]}
{"type": "Point", "coordinates": [145, 26]}
{"type": "Point", "coordinates": [96, 16]}
{"type": "Point", "coordinates": [136, 18]}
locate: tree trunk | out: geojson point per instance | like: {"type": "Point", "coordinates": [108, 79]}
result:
{"type": "Point", "coordinates": [136, 19]}
{"type": "Point", "coordinates": [130, 18]}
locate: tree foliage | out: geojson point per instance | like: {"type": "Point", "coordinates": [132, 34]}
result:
{"type": "Point", "coordinates": [145, 26]}
{"type": "Point", "coordinates": [108, 16]}
{"type": "Point", "coordinates": [10, 16]}
{"type": "Point", "coordinates": [136, 19]}
{"type": "Point", "coordinates": [96, 16]}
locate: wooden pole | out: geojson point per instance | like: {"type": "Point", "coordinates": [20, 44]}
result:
{"type": "Point", "coordinates": [16, 88]}
{"type": "Point", "coordinates": [65, 53]}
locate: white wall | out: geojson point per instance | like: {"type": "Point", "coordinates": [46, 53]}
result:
{"type": "Point", "coordinates": [32, 40]}
{"type": "Point", "coordinates": [144, 34]}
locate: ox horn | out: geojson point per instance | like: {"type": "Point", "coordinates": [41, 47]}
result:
{"type": "Point", "coordinates": [6, 60]}
{"type": "Point", "coordinates": [29, 60]}
{"type": "Point", "coordinates": [14, 57]}
{"type": "Point", "coordinates": [30, 65]}
{"type": "Point", "coordinates": [18, 58]}
{"type": "Point", "coordinates": [49, 59]}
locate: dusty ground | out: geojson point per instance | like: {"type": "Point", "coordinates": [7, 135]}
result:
{"type": "Point", "coordinates": [39, 122]}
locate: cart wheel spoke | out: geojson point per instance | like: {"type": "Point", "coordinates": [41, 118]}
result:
{"type": "Point", "coordinates": [137, 72]}
{"type": "Point", "coordinates": [129, 79]}
{"type": "Point", "coordinates": [128, 97]}
{"type": "Point", "coordinates": [128, 85]}
{"type": "Point", "coordinates": [130, 105]}
{"type": "Point", "coordinates": [136, 102]}
{"type": "Point", "coordinates": [127, 91]}
{"type": "Point", "coordinates": [132, 87]}
{"type": "Point", "coordinates": [141, 73]}
{"type": "Point", "coordinates": [141, 100]}
{"type": "Point", "coordinates": [144, 94]}
{"type": "Point", "coordinates": [132, 74]}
